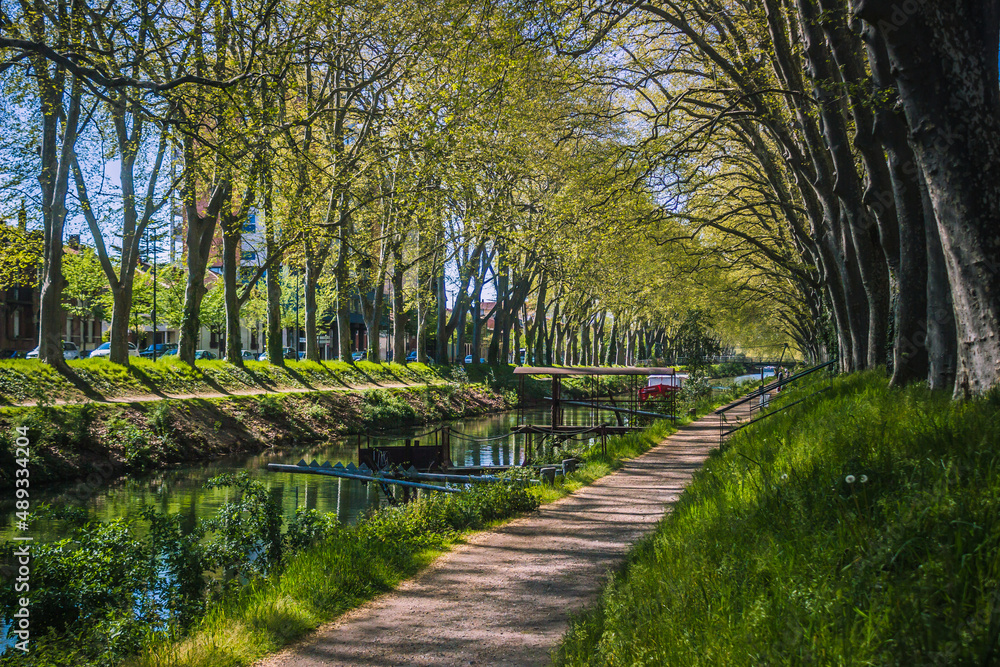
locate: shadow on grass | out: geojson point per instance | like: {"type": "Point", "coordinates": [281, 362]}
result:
{"type": "Point", "coordinates": [211, 381]}
{"type": "Point", "coordinates": [82, 385]}
{"type": "Point", "coordinates": [329, 371]}
{"type": "Point", "coordinates": [260, 380]}
{"type": "Point", "coordinates": [367, 377]}
{"type": "Point", "coordinates": [299, 377]}
{"type": "Point", "coordinates": [388, 369]}
{"type": "Point", "coordinates": [146, 381]}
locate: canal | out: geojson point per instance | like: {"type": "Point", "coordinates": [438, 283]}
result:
{"type": "Point", "coordinates": [181, 490]}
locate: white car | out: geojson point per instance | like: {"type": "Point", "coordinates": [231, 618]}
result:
{"type": "Point", "coordinates": [105, 350]}
{"type": "Point", "coordinates": [70, 351]}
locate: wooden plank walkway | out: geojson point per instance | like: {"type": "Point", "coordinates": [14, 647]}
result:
{"type": "Point", "coordinates": [506, 596]}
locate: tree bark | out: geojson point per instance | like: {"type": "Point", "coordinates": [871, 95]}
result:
{"type": "Point", "coordinates": [343, 287]}
{"type": "Point", "coordinates": [944, 59]}
{"type": "Point", "coordinates": [942, 336]}
{"type": "Point", "coordinates": [271, 283]}
{"type": "Point", "coordinates": [231, 239]}
{"type": "Point", "coordinates": [910, 357]}
{"type": "Point", "coordinates": [441, 300]}
{"type": "Point", "coordinates": [398, 306]}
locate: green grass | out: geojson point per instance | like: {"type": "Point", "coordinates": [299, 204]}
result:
{"type": "Point", "coordinates": [349, 567]}
{"type": "Point", "coordinates": [30, 380]}
{"type": "Point", "coordinates": [359, 563]}
{"type": "Point", "coordinates": [860, 527]}
{"type": "Point", "coordinates": [68, 440]}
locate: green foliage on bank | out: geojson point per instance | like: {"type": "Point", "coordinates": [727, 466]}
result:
{"type": "Point", "coordinates": [110, 439]}
{"type": "Point", "coordinates": [30, 381]}
{"type": "Point", "coordinates": [242, 584]}
{"type": "Point", "coordinates": [860, 527]}
{"type": "Point", "coordinates": [119, 591]}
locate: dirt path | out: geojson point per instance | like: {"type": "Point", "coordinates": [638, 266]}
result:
{"type": "Point", "coordinates": [506, 597]}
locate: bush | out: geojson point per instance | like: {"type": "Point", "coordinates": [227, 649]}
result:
{"type": "Point", "coordinates": [728, 369]}
{"type": "Point", "coordinates": [384, 409]}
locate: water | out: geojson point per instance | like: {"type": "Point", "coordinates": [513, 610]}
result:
{"type": "Point", "coordinates": [753, 376]}
{"type": "Point", "coordinates": [181, 490]}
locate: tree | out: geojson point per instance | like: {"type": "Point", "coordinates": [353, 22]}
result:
{"type": "Point", "coordinates": [954, 132]}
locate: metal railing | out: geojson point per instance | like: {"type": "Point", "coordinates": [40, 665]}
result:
{"type": "Point", "coordinates": [760, 399]}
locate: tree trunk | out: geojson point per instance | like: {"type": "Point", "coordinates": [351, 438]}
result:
{"type": "Point", "coordinates": [954, 122]}
{"type": "Point", "coordinates": [611, 349]}
{"type": "Point", "coordinates": [550, 351]}
{"type": "Point", "coordinates": [199, 238]}
{"type": "Point", "coordinates": [477, 328]}
{"type": "Point", "coordinates": [343, 287]}
{"type": "Point", "coordinates": [910, 362]}
{"type": "Point", "coordinates": [942, 336]}
{"type": "Point", "coordinates": [539, 325]}
{"type": "Point", "coordinates": [121, 309]}
{"type": "Point", "coordinates": [314, 261]}
{"type": "Point", "coordinates": [54, 182]}
{"type": "Point", "coordinates": [441, 299]}
{"type": "Point", "coordinates": [398, 306]}
{"type": "Point", "coordinates": [272, 286]}
{"type": "Point", "coordinates": [231, 237]}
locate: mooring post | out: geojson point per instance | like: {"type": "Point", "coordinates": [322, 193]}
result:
{"type": "Point", "coordinates": [408, 452]}
{"type": "Point", "coordinates": [555, 400]}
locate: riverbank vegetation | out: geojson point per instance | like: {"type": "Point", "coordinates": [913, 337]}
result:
{"type": "Point", "coordinates": [105, 440]}
{"type": "Point", "coordinates": [244, 583]}
{"type": "Point", "coordinates": [240, 585]}
{"type": "Point", "coordinates": [859, 527]}
{"type": "Point", "coordinates": [29, 381]}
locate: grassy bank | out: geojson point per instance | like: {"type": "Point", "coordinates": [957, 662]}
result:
{"type": "Point", "coordinates": [79, 439]}
{"type": "Point", "coordinates": [30, 381]}
{"type": "Point", "coordinates": [861, 527]}
{"type": "Point", "coordinates": [106, 592]}
{"type": "Point", "coordinates": [356, 564]}
{"type": "Point", "coordinates": [109, 439]}
{"type": "Point", "coordinates": [340, 574]}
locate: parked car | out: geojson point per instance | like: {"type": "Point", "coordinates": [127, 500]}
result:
{"type": "Point", "coordinates": [104, 350]}
{"type": "Point", "coordinates": [359, 356]}
{"type": "Point", "coordinates": [468, 359]}
{"type": "Point", "coordinates": [249, 355]}
{"type": "Point", "coordinates": [286, 352]}
{"type": "Point", "coordinates": [70, 351]}
{"type": "Point", "coordinates": [205, 354]}
{"type": "Point", "coordinates": [161, 350]}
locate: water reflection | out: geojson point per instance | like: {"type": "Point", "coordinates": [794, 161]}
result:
{"type": "Point", "coordinates": [181, 490]}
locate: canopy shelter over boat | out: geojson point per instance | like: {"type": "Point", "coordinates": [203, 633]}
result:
{"type": "Point", "coordinates": [625, 409]}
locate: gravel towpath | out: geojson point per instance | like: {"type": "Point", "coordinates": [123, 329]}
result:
{"type": "Point", "coordinates": [507, 595]}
